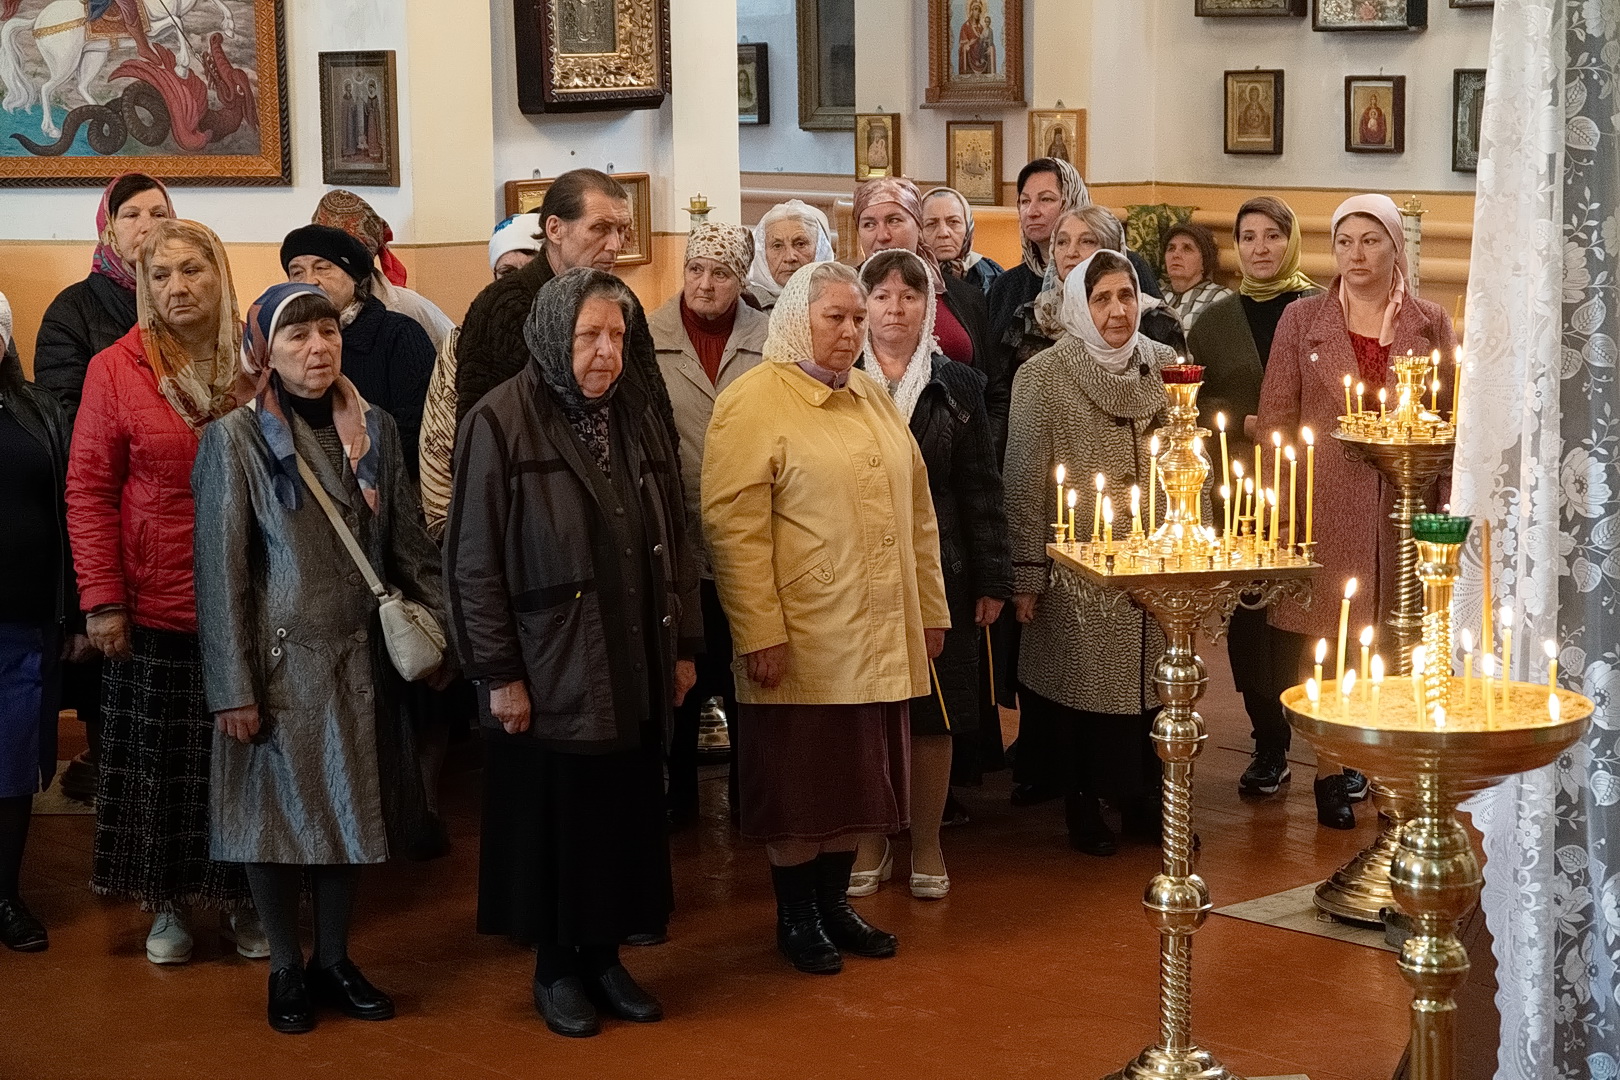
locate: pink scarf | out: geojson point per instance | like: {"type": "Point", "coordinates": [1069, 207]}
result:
{"type": "Point", "coordinates": [106, 261]}
{"type": "Point", "coordinates": [1382, 209]}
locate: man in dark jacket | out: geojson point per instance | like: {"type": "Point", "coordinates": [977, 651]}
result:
{"type": "Point", "coordinates": [585, 221]}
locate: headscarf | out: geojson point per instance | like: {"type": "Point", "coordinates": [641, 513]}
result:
{"type": "Point", "coordinates": [347, 211]}
{"type": "Point", "coordinates": [106, 261]}
{"type": "Point", "coordinates": [900, 190]}
{"type": "Point", "coordinates": [1047, 307]}
{"type": "Point", "coordinates": [1382, 209]}
{"type": "Point", "coordinates": [1071, 188]}
{"type": "Point", "coordinates": [549, 333]}
{"type": "Point", "coordinates": [730, 245]}
{"type": "Point", "coordinates": [759, 273]}
{"type": "Point", "coordinates": [960, 263]}
{"type": "Point", "coordinates": [919, 369]}
{"type": "Point", "coordinates": [1077, 320]}
{"type": "Point", "coordinates": [516, 233]}
{"type": "Point", "coordinates": [788, 339]}
{"type": "Point", "coordinates": [1289, 277]}
{"type": "Point", "coordinates": [351, 413]}
{"type": "Point", "coordinates": [200, 391]}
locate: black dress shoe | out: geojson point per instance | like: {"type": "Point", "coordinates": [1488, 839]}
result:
{"type": "Point", "coordinates": [624, 997]}
{"type": "Point", "coordinates": [1333, 803]}
{"type": "Point", "coordinates": [290, 1011]}
{"type": "Point", "coordinates": [800, 934]}
{"type": "Point", "coordinates": [343, 988]}
{"type": "Point", "coordinates": [1356, 786]}
{"type": "Point", "coordinates": [848, 931]}
{"type": "Point", "coordinates": [19, 930]}
{"type": "Point", "coordinates": [1267, 772]}
{"type": "Point", "coordinates": [955, 813]}
{"type": "Point", "coordinates": [1088, 832]}
{"type": "Point", "coordinates": [566, 1008]}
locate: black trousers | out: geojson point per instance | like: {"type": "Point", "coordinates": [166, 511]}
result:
{"type": "Point", "coordinates": [81, 691]}
{"type": "Point", "coordinates": [714, 679]}
{"type": "Point", "coordinates": [1109, 755]}
{"type": "Point", "coordinates": [1265, 662]}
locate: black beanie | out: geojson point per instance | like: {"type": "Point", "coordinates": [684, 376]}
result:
{"type": "Point", "coordinates": [324, 242]}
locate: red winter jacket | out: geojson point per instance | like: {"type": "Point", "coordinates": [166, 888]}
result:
{"type": "Point", "coordinates": [130, 512]}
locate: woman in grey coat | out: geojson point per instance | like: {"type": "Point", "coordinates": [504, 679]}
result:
{"type": "Point", "coordinates": [313, 765]}
{"type": "Point", "coordinates": [1085, 668]}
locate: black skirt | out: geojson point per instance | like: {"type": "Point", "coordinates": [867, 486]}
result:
{"type": "Point", "coordinates": [951, 706]}
{"type": "Point", "coordinates": [575, 846]}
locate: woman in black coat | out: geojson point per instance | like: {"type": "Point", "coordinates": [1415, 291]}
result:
{"type": "Point", "coordinates": [39, 610]}
{"type": "Point", "coordinates": [943, 402]}
{"type": "Point", "coordinates": [388, 356]}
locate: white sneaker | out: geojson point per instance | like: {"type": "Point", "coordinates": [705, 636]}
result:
{"type": "Point", "coordinates": [244, 928]}
{"type": "Point", "coordinates": [170, 941]}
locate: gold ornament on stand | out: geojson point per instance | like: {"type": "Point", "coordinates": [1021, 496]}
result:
{"type": "Point", "coordinates": [1434, 741]}
{"type": "Point", "coordinates": [1189, 578]}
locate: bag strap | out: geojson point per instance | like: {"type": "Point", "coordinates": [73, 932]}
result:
{"type": "Point", "coordinates": [332, 515]}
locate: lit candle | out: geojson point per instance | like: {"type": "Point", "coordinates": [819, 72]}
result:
{"type": "Point", "coordinates": [1153, 483]}
{"type": "Point", "coordinates": [1456, 385]}
{"type": "Point", "coordinates": [1293, 486]}
{"type": "Point", "coordinates": [1487, 672]}
{"type": "Point", "coordinates": [1321, 655]}
{"type": "Point", "coordinates": [1259, 480]}
{"type": "Point", "coordinates": [1271, 497]}
{"type": "Point", "coordinates": [1226, 465]}
{"type": "Point", "coordinates": [1061, 473]}
{"type": "Point", "coordinates": [1074, 498]}
{"type": "Point", "coordinates": [1276, 468]}
{"type": "Point", "coordinates": [1310, 479]}
{"type": "Point", "coordinates": [1366, 652]}
{"type": "Point", "coordinates": [1347, 381]}
{"type": "Point", "coordinates": [1552, 664]}
{"type": "Point", "coordinates": [1377, 680]}
{"type": "Point", "coordinates": [1313, 691]}
{"type": "Point", "coordinates": [1226, 509]}
{"type": "Point", "coordinates": [1096, 510]}
{"type": "Point", "coordinates": [1383, 400]}
{"type": "Point", "coordinates": [1248, 492]}
{"type": "Point", "coordinates": [1136, 510]}
{"type": "Point", "coordinates": [1361, 389]}
{"type": "Point", "coordinates": [1237, 488]}
{"type": "Point", "coordinates": [1344, 624]}
{"type": "Point", "coordinates": [1554, 707]}
{"type": "Point", "coordinates": [1467, 637]}
{"type": "Point", "coordinates": [1434, 384]}
{"type": "Point", "coordinates": [1507, 652]}
{"type": "Point", "coordinates": [1108, 522]}
{"type": "Point", "coordinates": [1346, 685]}
{"type": "Point", "coordinates": [1485, 645]}
{"type": "Point", "coordinates": [1417, 678]}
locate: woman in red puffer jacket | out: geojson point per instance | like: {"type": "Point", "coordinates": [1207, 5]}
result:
{"type": "Point", "coordinates": [146, 399]}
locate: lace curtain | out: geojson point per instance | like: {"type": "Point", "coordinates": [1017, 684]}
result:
{"type": "Point", "coordinates": [1537, 454]}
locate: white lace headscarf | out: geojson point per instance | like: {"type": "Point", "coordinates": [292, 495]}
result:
{"type": "Point", "coordinates": [1077, 318]}
{"type": "Point", "coordinates": [759, 271]}
{"type": "Point", "coordinates": [788, 339]}
{"type": "Point", "coordinates": [919, 369]}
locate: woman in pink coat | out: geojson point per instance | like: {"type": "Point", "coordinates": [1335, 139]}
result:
{"type": "Point", "coordinates": [1366, 317]}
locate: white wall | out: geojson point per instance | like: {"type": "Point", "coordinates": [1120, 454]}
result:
{"type": "Point", "coordinates": [781, 145]}
{"type": "Point", "coordinates": [1186, 81]}
{"type": "Point", "coordinates": [260, 214]}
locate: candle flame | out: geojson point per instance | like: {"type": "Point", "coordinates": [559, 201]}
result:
{"type": "Point", "coordinates": [1313, 691]}
{"type": "Point", "coordinates": [1439, 716]}
{"type": "Point", "coordinates": [1347, 381]}
{"type": "Point", "coordinates": [1153, 445]}
{"type": "Point", "coordinates": [1435, 359]}
{"type": "Point", "coordinates": [1074, 497]}
{"type": "Point", "coordinates": [1248, 486]}
{"type": "Point", "coordinates": [1308, 435]}
{"type": "Point", "coordinates": [1348, 682]}
{"type": "Point", "coordinates": [1061, 473]}
{"type": "Point", "coordinates": [1417, 662]}
{"type": "Point", "coordinates": [1507, 616]}
{"type": "Point", "coordinates": [1101, 480]}
{"type": "Point", "coordinates": [1271, 496]}
{"type": "Point", "coordinates": [1276, 438]}
{"type": "Point", "coordinates": [1383, 394]}
{"type": "Point", "coordinates": [1350, 588]}
{"type": "Point", "coordinates": [1552, 649]}
{"type": "Point", "coordinates": [1487, 665]}
{"type": "Point", "coordinates": [1136, 498]}
{"type": "Point", "coordinates": [1108, 510]}
{"type": "Point", "coordinates": [1554, 706]}
{"type": "Point", "coordinates": [1288, 452]}
{"type": "Point", "coordinates": [1226, 491]}
{"type": "Point", "coordinates": [1321, 649]}
{"type": "Point", "coordinates": [1237, 469]}
{"type": "Point", "coordinates": [1220, 421]}
{"type": "Point", "coordinates": [1366, 637]}
{"type": "Point", "coordinates": [1377, 667]}
{"type": "Point", "coordinates": [1361, 388]}
{"type": "Point", "coordinates": [1467, 636]}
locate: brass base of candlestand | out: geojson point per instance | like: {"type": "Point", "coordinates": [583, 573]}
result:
{"type": "Point", "coordinates": [1183, 602]}
{"type": "Point", "coordinates": [1359, 891]}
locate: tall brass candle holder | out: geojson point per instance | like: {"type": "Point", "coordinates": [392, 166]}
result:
{"type": "Point", "coordinates": [1411, 446]}
{"type": "Point", "coordinates": [1434, 745]}
{"type": "Point", "coordinates": [1189, 579]}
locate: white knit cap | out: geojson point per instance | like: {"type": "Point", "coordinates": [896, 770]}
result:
{"type": "Point", "coordinates": [516, 233]}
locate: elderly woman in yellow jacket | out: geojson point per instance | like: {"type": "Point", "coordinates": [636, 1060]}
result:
{"type": "Point", "coordinates": [821, 531]}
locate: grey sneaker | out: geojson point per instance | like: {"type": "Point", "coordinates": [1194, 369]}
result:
{"type": "Point", "coordinates": [170, 940]}
{"type": "Point", "coordinates": [1267, 771]}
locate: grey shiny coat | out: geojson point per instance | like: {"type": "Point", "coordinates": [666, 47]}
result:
{"type": "Point", "coordinates": [287, 623]}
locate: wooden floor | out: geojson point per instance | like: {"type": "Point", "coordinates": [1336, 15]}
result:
{"type": "Point", "coordinates": [1039, 964]}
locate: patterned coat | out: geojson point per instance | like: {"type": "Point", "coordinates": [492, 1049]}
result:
{"type": "Point", "coordinates": [1304, 384]}
{"type": "Point", "coordinates": [286, 622]}
{"type": "Point", "coordinates": [1066, 410]}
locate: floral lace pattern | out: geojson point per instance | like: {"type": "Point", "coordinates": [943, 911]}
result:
{"type": "Point", "coordinates": [1538, 454]}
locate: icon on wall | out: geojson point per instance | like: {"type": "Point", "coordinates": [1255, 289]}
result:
{"type": "Point", "coordinates": [826, 65]}
{"type": "Point", "coordinates": [1059, 133]}
{"type": "Point", "coordinates": [1467, 107]}
{"type": "Point", "coordinates": [1210, 8]}
{"type": "Point", "coordinates": [973, 160]}
{"type": "Point", "coordinates": [1254, 112]}
{"type": "Point", "coordinates": [359, 119]}
{"type": "Point", "coordinates": [1375, 114]}
{"type": "Point", "coordinates": [975, 52]}
{"type": "Point", "coordinates": [525, 197]}
{"type": "Point", "coordinates": [581, 55]}
{"type": "Point", "coordinates": [877, 145]}
{"type": "Point", "coordinates": [1370, 15]}
{"type": "Point", "coordinates": [753, 84]}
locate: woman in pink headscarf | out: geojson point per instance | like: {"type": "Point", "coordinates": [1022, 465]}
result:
{"type": "Point", "coordinates": [1363, 319]}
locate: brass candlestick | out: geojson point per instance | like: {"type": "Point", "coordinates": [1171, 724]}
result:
{"type": "Point", "coordinates": [1411, 452]}
{"type": "Point", "coordinates": [1432, 757]}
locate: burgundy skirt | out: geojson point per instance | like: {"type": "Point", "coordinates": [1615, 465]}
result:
{"type": "Point", "coordinates": [815, 772]}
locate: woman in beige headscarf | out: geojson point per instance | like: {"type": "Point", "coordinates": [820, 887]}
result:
{"type": "Point", "coordinates": [130, 515]}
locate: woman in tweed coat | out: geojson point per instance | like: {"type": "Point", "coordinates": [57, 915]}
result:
{"type": "Point", "coordinates": [1085, 668]}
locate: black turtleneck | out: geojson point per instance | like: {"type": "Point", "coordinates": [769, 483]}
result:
{"type": "Point", "coordinates": [317, 413]}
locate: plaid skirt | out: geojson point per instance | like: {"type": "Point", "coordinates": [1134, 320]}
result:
{"type": "Point", "coordinates": [152, 784]}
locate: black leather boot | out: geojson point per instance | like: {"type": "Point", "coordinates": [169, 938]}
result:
{"type": "Point", "coordinates": [1088, 832]}
{"type": "Point", "coordinates": [800, 933]}
{"type": "Point", "coordinates": [845, 926]}
{"type": "Point", "coordinates": [1333, 802]}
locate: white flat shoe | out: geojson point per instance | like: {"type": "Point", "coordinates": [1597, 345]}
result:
{"type": "Point", "coordinates": [244, 928]}
{"type": "Point", "coordinates": [169, 941]}
{"type": "Point", "coordinates": [930, 886]}
{"type": "Point", "coordinates": [866, 882]}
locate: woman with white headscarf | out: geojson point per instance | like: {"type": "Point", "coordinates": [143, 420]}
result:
{"type": "Point", "coordinates": [948, 232]}
{"type": "Point", "coordinates": [1352, 330]}
{"type": "Point", "coordinates": [790, 235]}
{"type": "Point", "coordinates": [821, 533]}
{"type": "Point", "coordinates": [1085, 668]}
{"type": "Point", "coordinates": [943, 402]}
